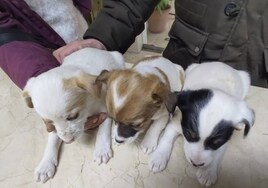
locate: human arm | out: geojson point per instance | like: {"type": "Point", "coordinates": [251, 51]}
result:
{"type": "Point", "coordinates": [115, 28]}
{"type": "Point", "coordinates": [119, 22]}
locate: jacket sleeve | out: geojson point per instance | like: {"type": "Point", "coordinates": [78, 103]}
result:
{"type": "Point", "coordinates": [84, 6]}
{"type": "Point", "coordinates": [119, 22]}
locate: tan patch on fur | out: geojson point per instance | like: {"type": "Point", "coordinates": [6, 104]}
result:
{"type": "Point", "coordinates": [139, 89]}
{"type": "Point", "coordinates": [78, 94]}
{"type": "Point", "coordinates": [84, 81]}
{"type": "Point", "coordinates": [77, 101]}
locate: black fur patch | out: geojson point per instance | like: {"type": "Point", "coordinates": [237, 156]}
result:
{"type": "Point", "coordinates": [220, 135]}
{"type": "Point", "coordinates": [190, 103]}
{"type": "Point", "coordinates": [126, 131]}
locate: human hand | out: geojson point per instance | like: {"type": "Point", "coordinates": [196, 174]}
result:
{"type": "Point", "coordinates": [94, 121]}
{"type": "Point", "coordinates": [76, 45]}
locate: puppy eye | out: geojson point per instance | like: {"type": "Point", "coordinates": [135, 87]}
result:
{"type": "Point", "coordinates": [135, 126]}
{"type": "Point", "coordinates": [190, 136]}
{"type": "Point", "coordinates": [214, 143]}
{"type": "Point", "coordinates": [72, 117]}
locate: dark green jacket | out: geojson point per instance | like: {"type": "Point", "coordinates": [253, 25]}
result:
{"type": "Point", "coordinates": [232, 31]}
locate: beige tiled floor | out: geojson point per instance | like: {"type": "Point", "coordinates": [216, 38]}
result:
{"type": "Point", "coordinates": [23, 139]}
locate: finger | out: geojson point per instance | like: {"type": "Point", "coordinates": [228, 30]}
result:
{"type": "Point", "coordinates": [57, 52]}
{"type": "Point", "coordinates": [102, 116]}
{"type": "Point", "coordinates": [93, 120]}
{"type": "Point", "coordinates": [67, 51]}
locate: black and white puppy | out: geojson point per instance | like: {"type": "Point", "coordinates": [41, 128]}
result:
{"type": "Point", "coordinates": [212, 105]}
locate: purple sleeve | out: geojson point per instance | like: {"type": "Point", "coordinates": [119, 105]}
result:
{"type": "Point", "coordinates": [22, 60]}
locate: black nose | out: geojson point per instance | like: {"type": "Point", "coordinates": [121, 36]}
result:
{"type": "Point", "coordinates": [119, 141]}
{"type": "Point", "coordinates": [126, 131]}
{"type": "Point", "coordinates": [197, 165]}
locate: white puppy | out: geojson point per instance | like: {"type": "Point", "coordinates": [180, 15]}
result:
{"type": "Point", "coordinates": [65, 97]}
{"type": "Point", "coordinates": [138, 99]}
{"type": "Point", "coordinates": [212, 108]}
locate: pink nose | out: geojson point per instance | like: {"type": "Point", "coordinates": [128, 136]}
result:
{"type": "Point", "coordinates": [197, 165]}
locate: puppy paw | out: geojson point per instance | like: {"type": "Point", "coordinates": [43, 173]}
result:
{"type": "Point", "coordinates": [102, 155]}
{"type": "Point", "coordinates": [206, 176]}
{"type": "Point", "coordinates": [148, 146]}
{"type": "Point", "coordinates": [45, 170]}
{"type": "Point", "coordinates": [158, 161]}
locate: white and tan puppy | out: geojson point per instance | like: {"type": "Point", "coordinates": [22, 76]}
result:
{"type": "Point", "coordinates": [212, 105]}
{"type": "Point", "coordinates": [65, 97]}
{"type": "Point", "coordinates": [138, 99]}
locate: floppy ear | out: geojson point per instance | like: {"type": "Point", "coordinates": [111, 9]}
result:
{"type": "Point", "coordinates": [50, 126]}
{"type": "Point", "coordinates": [183, 99]}
{"type": "Point", "coordinates": [88, 82]}
{"type": "Point", "coordinates": [162, 94]}
{"type": "Point", "coordinates": [27, 99]}
{"type": "Point", "coordinates": [171, 102]}
{"type": "Point", "coordinates": [25, 93]}
{"type": "Point", "coordinates": [103, 77]}
{"type": "Point", "coordinates": [247, 117]}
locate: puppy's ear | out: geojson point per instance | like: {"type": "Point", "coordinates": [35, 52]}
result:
{"type": "Point", "coordinates": [26, 91]}
{"type": "Point", "coordinates": [49, 125]}
{"type": "Point", "coordinates": [103, 77]}
{"type": "Point", "coordinates": [247, 118]}
{"type": "Point", "coordinates": [162, 94]}
{"type": "Point", "coordinates": [88, 82]}
{"type": "Point", "coordinates": [197, 98]}
{"type": "Point", "coordinates": [27, 99]}
{"type": "Point", "coordinates": [171, 102]}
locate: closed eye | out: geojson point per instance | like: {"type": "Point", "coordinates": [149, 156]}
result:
{"type": "Point", "coordinates": [72, 117]}
{"type": "Point", "coordinates": [219, 136]}
{"type": "Point", "coordinates": [190, 136]}
{"type": "Point", "coordinates": [136, 126]}
{"type": "Point", "coordinates": [215, 143]}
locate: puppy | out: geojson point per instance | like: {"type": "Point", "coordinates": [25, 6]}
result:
{"type": "Point", "coordinates": [212, 108]}
{"type": "Point", "coordinates": [138, 99]}
{"type": "Point", "coordinates": [65, 97]}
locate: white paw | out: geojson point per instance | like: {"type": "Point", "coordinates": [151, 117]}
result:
{"type": "Point", "coordinates": [158, 161]}
{"type": "Point", "coordinates": [148, 146]}
{"type": "Point", "coordinates": [45, 170]}
{"type": "Point", "coordinates": [102, 154]}
{"type": "Point", "coordinates": [206, 176]}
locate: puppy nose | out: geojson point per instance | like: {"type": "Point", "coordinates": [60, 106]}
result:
{"type": "Point", "coordinates": [197, 165]}
{"type": "Point", "coordinates": [119, 141]}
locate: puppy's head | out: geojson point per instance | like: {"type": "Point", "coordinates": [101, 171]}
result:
{"type": "Point", "coordinates": [64, 103]}
{"type": "Point", "coordinates": [133, 101]}
{"type": "Point", "coordinates": [209, 118]}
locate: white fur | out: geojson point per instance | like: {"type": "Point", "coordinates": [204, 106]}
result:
{"type": "Point", "coordinates": [172, 71]}
{"type": "Point", "coordinates": [118, 100]}
{"type": "Point", "coordinates": [50, 98]}
{"type": "Point", "coordinates": [217, 75]}
{"type": "Point", "coordinates": [160, 157]}
{"type": "Point", "coordinates": [229, 88]}
{"type": "Point", "coordinates": [62, 16]}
